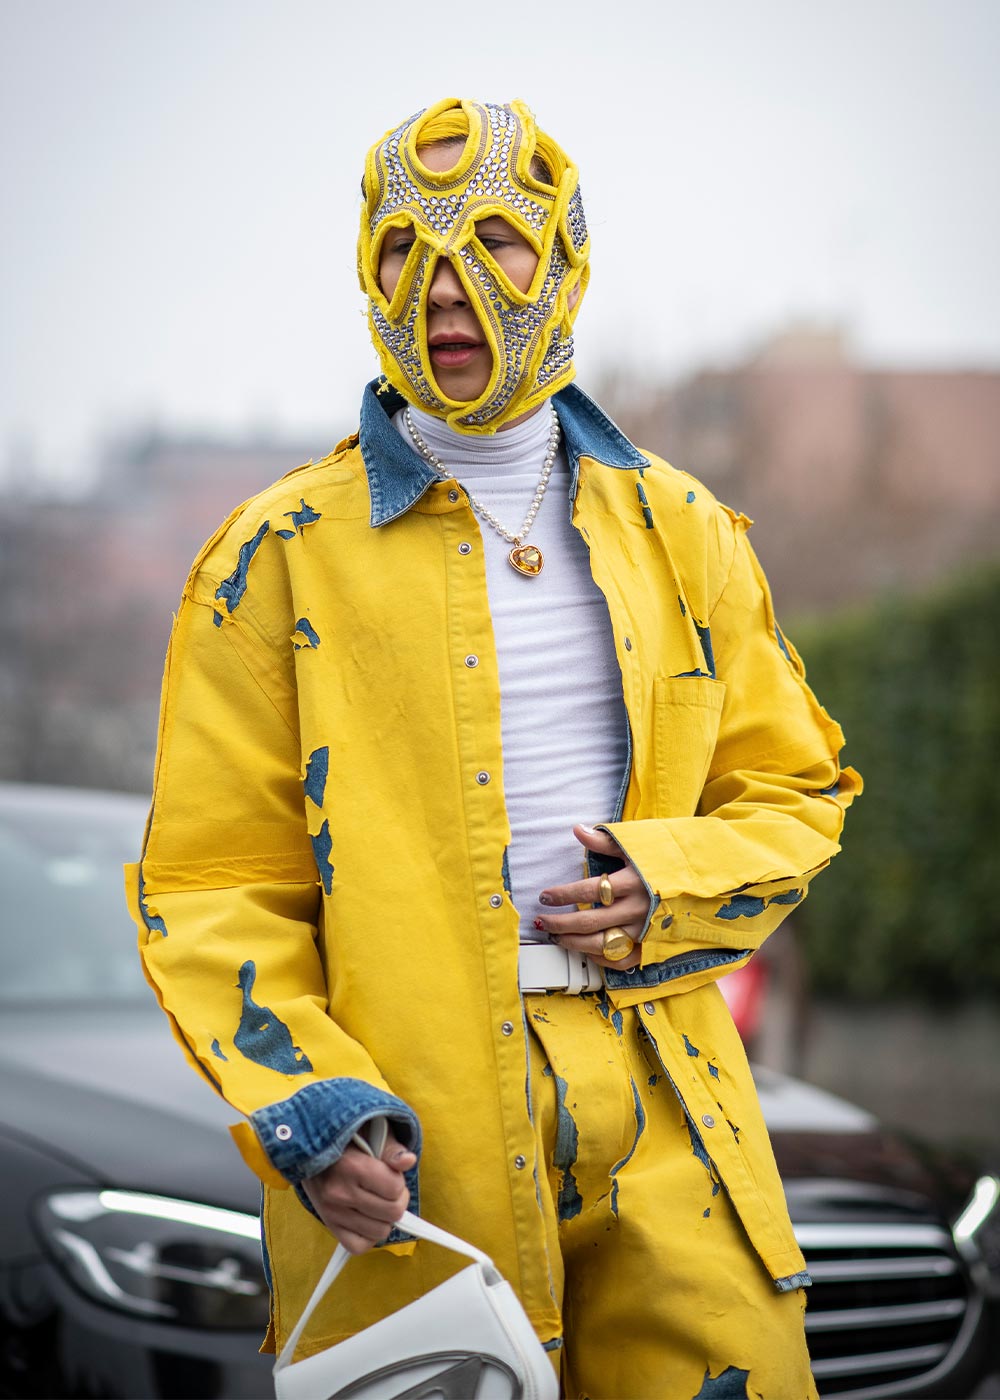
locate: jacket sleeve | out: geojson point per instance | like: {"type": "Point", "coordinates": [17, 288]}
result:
{"type": "Point", "coordinates": [771, 807]}
{"type": "Point", "coordinates": [226, 898]}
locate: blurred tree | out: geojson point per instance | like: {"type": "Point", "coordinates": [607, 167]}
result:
{"type": "Point", "coordinates": [910, 906]}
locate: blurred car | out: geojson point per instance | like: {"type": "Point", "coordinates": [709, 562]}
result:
{"type": "Point", "coordinates": [130, 1261]}
{"type": "Point", "coordinates": [129, 1234]}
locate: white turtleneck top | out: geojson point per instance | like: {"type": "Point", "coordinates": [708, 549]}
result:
{"type": "Point", "coordinates": [563, 723]}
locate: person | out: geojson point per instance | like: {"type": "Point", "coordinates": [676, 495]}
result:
{"type": "Point", "coordinates": [481, 759]}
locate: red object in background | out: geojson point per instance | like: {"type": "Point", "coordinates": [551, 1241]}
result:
{"type": "Point", "coordinates": [744, 994]}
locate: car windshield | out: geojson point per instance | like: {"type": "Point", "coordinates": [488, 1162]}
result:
{"type": "Point", "coordinates": [65, 932]}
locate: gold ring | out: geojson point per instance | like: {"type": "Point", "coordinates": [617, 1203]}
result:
{"type": "Point", "coordinates": [605, 893]}
{"type": "Point", "coordinates": [616, 944]}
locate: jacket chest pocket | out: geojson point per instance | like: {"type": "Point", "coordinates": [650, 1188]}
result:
{"type": "Point", "coordinates": [688, 710]}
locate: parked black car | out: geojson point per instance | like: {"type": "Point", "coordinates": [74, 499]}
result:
{"type": "Point", "coordinates": [129, 1238]}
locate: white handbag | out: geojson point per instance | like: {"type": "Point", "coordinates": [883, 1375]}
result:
{"type": "Point", "coordinates": [467, 1339]}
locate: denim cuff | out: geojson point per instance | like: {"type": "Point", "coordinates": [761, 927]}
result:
{"type": "Point", "coordinates": [598, 864]}
{"type": "Point", "coordinates": [681, 965]}
{"type": "Point", "coordinates": [308, 1132]}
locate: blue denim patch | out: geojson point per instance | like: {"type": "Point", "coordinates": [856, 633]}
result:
{"type": "Point", "coordinates": [789, 897]}
{"type": "Point", "coordinates": [564, 1154]}
{"type": "Point", "coordinates": [640, 1127]}
{"type": "Point", "coordinates": [153, 922]}
{"type": "Point", "coordinates": [741, 906]}
{"type": "Point", "coordinates": [265, 1258]}
{"type": "Point", "coordinates": [300, 519]}
{"type": "Point", "coordinates": [730, 1384]}
{"type": "Point", "coordinates": [748, 906]}
{"type": "Point", "coordinates": [322, 845]}
{"type": "Point", "coordinates": [263, 1037]}
{"type": "Point", "coordinates": [705, 637]}
{"type": "Point", "coordinates": [317, 772]}
{"type": "Point", "coordinates": [232, 589]}
{"type": "Point", "coordinates": [304, 628]}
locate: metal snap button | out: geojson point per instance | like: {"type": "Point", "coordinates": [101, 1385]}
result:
{"type": "Point", "coordinates": [508, 1027]}
{"type": "Point", "coordinates": [628, 643]}
{"type": "Point", "coordinates": [453, 496]}
{"type": "Point", "coordinates": [482, 778]}
{"type": "Point", "coordinates": [282, 1132]}
{"type": "Point", "coordinates": [520, 1162]}
{"type": "Point", "coordinates": [471, 661]}
{"type": "Point", "coordinates": [465, 547]}
{"type": "Point", "coordinates": [649, 1007]}
{"type": "Point", "coordinates": [708, 1120]}
{"type": "Point", "coordinates": [496, 900]}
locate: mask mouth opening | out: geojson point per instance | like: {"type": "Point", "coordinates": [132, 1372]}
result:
{"type": "Point", "coordinates": [488, 333]}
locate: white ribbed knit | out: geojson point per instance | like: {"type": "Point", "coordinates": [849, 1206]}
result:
{"type": "Point", "coordinates": [563, 724]}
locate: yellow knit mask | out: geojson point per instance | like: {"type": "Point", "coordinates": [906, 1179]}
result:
{"type": "Point", "coordinates": [529, 333]}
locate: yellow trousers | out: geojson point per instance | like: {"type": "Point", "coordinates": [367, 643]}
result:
{"type": "Point", "coordinates": [662, 1295]}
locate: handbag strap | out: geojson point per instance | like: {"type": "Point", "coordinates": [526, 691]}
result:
{"type": "Point", "coordinates": [412, 1224]}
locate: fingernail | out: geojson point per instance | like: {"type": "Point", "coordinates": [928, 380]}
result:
{"type": "Point", "coordinates": [590, 830]}
{"type": "Point", "coordinates": [545, 899]}
{"type": "Point", "coordinates": [539, 926]}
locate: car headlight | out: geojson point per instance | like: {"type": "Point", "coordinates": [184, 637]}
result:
{"type": "Point", "coordinates": [977, 1234]}
{"type": "Point", "coordinates": [155, 1257]}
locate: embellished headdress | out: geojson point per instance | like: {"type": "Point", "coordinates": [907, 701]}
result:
{"type": "Point", "coordinates": [501, 171]}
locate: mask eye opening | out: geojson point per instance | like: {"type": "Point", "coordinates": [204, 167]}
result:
{"type": "Point", "coordinates": [478, 245]}
{"type": "Point", "coordinates": [391, 306]}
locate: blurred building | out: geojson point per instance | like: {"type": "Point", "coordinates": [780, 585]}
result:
{"type": "Point", "coordinates": [90, 588]}
{"type": "Point", "coordinates": [859, 479]}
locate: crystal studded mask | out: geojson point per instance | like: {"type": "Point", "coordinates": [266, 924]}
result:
{"type": "Point", "coordinates": [529, 333]}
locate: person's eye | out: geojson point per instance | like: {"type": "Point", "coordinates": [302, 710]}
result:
{"type": "Point", "coordinates": [402, 245]}
{"type": "Point", "coordinates": [493, 240]}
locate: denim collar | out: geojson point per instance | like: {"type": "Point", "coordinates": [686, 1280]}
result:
{"type": "Point", "coordinates": [398, 476]}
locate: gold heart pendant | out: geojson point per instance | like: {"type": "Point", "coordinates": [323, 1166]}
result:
{"type": "Point", "coordinates": [526, 559]}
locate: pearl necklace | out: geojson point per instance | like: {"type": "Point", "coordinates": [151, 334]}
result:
{"type": "Point", "coordinates": [525, 558]}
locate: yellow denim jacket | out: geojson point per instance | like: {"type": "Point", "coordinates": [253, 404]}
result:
{"type": "Point", "coordinates": [321, 900]}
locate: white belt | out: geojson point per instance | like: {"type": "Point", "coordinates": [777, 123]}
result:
{"type": "Point", "coordinates": [544, 967]}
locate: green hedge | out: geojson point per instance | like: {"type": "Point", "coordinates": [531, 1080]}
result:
{"type": "Point", "coordinates": [912, 905]}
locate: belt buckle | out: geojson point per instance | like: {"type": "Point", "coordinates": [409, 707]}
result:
{"type": "Point", "coordinates": [560, 971]}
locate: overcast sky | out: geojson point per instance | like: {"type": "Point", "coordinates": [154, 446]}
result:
{"type": "Point", "coordinates": [180, 189]}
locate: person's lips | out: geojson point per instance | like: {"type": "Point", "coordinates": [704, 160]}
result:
{"type": "Point", "coordinates": [452, 349]}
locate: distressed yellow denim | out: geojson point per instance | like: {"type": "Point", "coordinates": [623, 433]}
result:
{"type": "Point", "coordinates": [659, 1296]}
{"type": "Point", "coordinates": [321, 901]}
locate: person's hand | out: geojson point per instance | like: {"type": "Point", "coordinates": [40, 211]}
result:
{"type": "Point", "coordinates": [359, 1198]}
{"type": "Point", "coordinates": [582, 931]}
